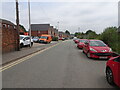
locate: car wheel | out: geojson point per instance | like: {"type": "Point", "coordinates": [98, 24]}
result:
{"type": "Point", "coordinates": [31, 43]}
{"type": "Point", "coordinates": [109, 76]}
{"type": "Point", "coordinates": [88, 54]}
{"type": "Point", "coordinates": [21, 45]}
{"type": "Point", "coordinates": [83, 51]}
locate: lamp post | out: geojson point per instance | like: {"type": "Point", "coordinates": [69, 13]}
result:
{"type": "Point", "coordinates": [29, 21]}
{"type": "Point", "coordinates": [58, 25]}
{"type": "Point", "coordinates": [17, 23]}
{"type": "Point", "coordinates": [78, 29]}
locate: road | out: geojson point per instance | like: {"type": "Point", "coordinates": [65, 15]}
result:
{"type": "Point", "coordinates": [62, 66]}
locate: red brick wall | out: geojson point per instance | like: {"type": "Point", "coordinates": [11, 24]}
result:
{"type": "Point", "coordinates": [38, 33]}
{"type": "Point", "coordinates": [9, 39]}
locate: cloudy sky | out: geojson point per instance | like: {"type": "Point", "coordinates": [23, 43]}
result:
{"type": "Point", "coordinates": [95, 14]}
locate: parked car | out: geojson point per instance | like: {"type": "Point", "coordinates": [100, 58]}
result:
{"type": "Point", "coordinates": [113, 70]}
{"type": "Point", "coordinates": [97, 49]}
{"type": "Point", "coordinates": [61, 38]}
{"type": "Point", "coordinates": [25, 41]}
{"type": "Point", "coordinates": [81, 43]}
{"type": "Point", "coordinates": [76, 41]}
{"type": "Point", "coordinates": [45, 38]}
{"type": "Point", "coordinates": [36, 39]}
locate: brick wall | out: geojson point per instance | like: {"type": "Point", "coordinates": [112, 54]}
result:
{"type": "Point", "coordinates": [9, 38]}
{"type": "Point", "coordinates": [38, 33]}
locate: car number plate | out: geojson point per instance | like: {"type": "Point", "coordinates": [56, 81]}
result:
{"type": "Point", "coordinates": [103, 57]}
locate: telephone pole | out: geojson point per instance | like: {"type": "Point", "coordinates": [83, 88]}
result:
{"type": "Point", "coordinates": [17, 23]}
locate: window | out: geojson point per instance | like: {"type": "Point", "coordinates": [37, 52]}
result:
{"type": "Point", "coordinates": [117, 59]}
{"type": "Point", "coordinates": [4, 25]}
{"type": "Point", "coordinates": [27, 38]}
{"type": "Point", "coordinates": [8, 26]}
{"type": "Point", "coordinates": [97, 43]}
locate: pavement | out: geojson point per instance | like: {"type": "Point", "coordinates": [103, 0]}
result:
{"type": "Point", "coordinates": [13, 56]}
{"type": "Point", "coordinates": [61, 66]}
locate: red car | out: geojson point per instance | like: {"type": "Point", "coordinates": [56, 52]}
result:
{"type": "Point", "coordinates": [97, 49]}
{"type": "Point", "coordinates": [113, 71]}
{"type": "Point", "coordinates": [81, 43]}
{"type": "Point", "coordinates": [76, 40]}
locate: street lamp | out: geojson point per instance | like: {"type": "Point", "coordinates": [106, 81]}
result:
{"type": "Point", "coordinates": [58, 25]}
{"type": "Point", "coordinates": [78, 29]}
{"type": "Point", "coordinates": [29, 21]}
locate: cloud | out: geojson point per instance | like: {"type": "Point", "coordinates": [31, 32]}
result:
{"type": "Point", "coordinates": [71, 15]}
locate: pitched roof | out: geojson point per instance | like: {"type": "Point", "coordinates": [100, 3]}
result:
{"type": "Point", "coordinates": [40, 27]}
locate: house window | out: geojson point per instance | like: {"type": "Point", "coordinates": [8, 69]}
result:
{"type": "Point", "coordinates": [4, 25]}
{"type": "Point", "coordinates": [8, 26]}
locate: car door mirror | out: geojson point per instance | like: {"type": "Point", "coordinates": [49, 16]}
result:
{"type": "Point", "coordinates": [24, 39]}
{"type": "Point", "coordinates": [86, 43]}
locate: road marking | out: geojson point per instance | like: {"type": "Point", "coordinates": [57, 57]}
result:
{"type": "Point", "coordinates": [24, 59]}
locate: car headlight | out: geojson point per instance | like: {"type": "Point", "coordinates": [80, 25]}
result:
{"type": "Point", "coordinates": [91, 49]}
{"type": "Point", "coordinates": [110, 50]}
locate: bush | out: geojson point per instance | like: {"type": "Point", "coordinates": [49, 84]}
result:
{"type": "Point", "coordinates": [111, 37]}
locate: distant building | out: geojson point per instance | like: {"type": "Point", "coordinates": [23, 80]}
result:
{"type": "Point", "coordinates": [56, 33]}
{"type": "Point", "coordinates": [8, 36]}
{"type": "Point", "coordinates": [61, 34]}
{"type": "Point", "coordinates": [39, 29]}
{"type": "Point", "coordinates": [64, 35]}
{"type": "Point", "coordinates": [23, 30]}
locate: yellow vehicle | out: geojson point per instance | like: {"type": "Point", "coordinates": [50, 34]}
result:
{"type": "Point", "coordinates": [45, 38]}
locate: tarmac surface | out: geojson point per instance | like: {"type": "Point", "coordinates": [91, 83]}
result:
{"type": "Point", "coordinates": [61, 66]}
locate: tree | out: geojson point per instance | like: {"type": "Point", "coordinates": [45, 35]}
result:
{"type": "Point", "coordinates": [91, 34]}
{"type": "Point", "coordinates": [67, 32]}
{"type": "Point", "coordinates": [111, 37]}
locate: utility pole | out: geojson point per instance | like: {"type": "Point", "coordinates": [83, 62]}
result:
{"type": "Point", "coordinates": [29, 21]}
{"type": "Point", "coordinates": [17, 22]}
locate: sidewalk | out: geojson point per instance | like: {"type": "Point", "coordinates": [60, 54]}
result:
{"type": "Point", "coordinates": [12, 56]}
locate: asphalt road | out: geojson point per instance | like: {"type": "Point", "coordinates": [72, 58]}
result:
{"type": "Point", "coordinates": [62, 66]}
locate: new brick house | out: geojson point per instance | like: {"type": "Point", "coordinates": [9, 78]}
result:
{"type": "Point", "coordinates": [52, 31]}
{"type": "Point", "coordinates": [56, 33]}
{"type": "Point", "coordinates": [8, 36]}
{"type": "Point", "coordinates": [63, 35]}
{"type": "Point", "coordinates": [39, 29]}
{"type": "Point", "coordinates": [23, 30]}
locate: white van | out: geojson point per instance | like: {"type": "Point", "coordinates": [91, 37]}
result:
{"type": "Point", "coordinates": [25, 41]}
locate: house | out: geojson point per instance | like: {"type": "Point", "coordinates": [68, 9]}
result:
{"type": "Point", "coordinates": [39, 29]}
{"type": "Point", "coordinates": [8, 36]}
{"type": "Point", "coordinates": [52, 31]}
{"type": "Point", "coordinates": [61, 34]}
{"type": "Point", "coordinates": [56, 33]}
{"type": "Point", "coordinates": [23, 30]}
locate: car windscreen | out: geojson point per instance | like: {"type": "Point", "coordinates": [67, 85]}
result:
{"type": "Point", "coordinates": [97, 43]}
{"type": "Point", "coordinates": [21, 37]}
{"type": "Point", "coordinates": [83, 41]}
{"type": "Point", "coordinates": [43, 37]}
{"type": "Point", "coordinates": [36, 38]}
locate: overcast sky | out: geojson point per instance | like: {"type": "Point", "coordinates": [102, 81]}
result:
{"type": "Point", "coordinates": [95, 15]}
